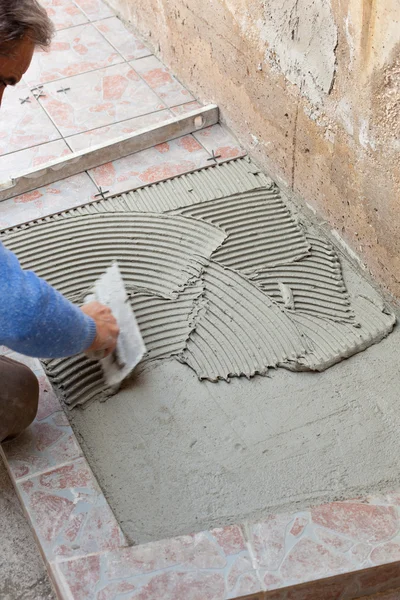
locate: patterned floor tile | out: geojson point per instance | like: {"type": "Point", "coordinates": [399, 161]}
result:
{"type": "Point", "coordinates": [46, 444]}
{"type": "Point", "coordinates": [94, 9]}
{"type": "Point", "coordinates": [162, 161]}
{"type": "Point", "coordinates": [23, 124]}
{"type": "Point", "coordinates": [4, 351]}
{"type": "Point", "coordinates": [329, 540]}
{"type": "Point", "coordinates": [158, 77]}
{"type": "Point", "coordinates": [48, 401]}
{"type": "Point", "coordinates": [110, 132]}
{"type": "Point", "coordinates": [73, 51]}
{"type": "Point", "coordinates": [216, 138]}
{"type": "Point", "coordinates": [64, 13]}
{"type": "Point", "coordinates": [69, 513]}
{"type": "Point", "coordinates": [12, 164]}
{"type": "Point", "coordinates": [126, 42]}
{"type": "Point", "coordinates": [182, 109]}
{"type": "Point", "coordinates": [207, 566]}
{"type": "Point", "coordinates": [52, 198]}
{"type": "Point", "coordinates": [99, 98]}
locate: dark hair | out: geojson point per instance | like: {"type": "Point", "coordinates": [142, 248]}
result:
{"type": "Point", "coordinates": [25, 17]}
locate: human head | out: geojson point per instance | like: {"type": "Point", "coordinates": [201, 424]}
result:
{"type": "Point", "coordinates": [24, 24]}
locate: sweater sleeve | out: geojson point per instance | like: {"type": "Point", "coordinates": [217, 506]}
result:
{"type": "Point", "coordinates": [35, 319]}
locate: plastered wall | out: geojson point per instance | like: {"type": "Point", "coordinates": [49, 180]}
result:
{"type": "Point", "coordinates": [312, 89]}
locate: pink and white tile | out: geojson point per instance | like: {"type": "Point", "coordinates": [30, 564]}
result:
{"type": "Point", "coordinates": [211, 565]}
{"type": "Point", "coordinates": [182, 109]}
{"type": "Point", "coordinates": [16, 162]}
{"type": "Point", "coordinates": [126, 42]}
{"type": "Point", "coordinates": [216, 138]}
{"type": "Point", "coordinates": [158, 77]}
{"type": "Point", "coordinates": [73, 51]}
{"type": "Point", "coordinates": [94, 9]}
{"type": "Point", "coordinates": [327, 541]}
{"type": "Point", "coordinates": [155, 164]}
{"type": "Point", "coordinates": [81, 141]}
{"type": "Point", "coordinates": [23, 125]}
{"type": "Point", "coordinates": [64, 13]}
{"type": "Point", "coordinates": [47, 200]}
{"type": "Point", "coordinates": [47, 443]}
{"type": "Point", "coordinates": [99, 98]}
{"type": "Point", "coordinates": [69, 513]}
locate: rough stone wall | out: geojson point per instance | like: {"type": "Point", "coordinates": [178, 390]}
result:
{"type": "Point", "coordinates": [312, 89]}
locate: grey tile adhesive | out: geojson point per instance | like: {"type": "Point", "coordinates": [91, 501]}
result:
{"type": "Point", "coordinates": [219, 273]}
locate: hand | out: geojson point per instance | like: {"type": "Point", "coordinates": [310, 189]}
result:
{"type": "Point", "coordinates": [106, 327]}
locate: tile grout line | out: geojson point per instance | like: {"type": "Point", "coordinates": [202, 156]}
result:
{"type": "Point", "coordinates": [49, 470]}
{"type": "Point", "coordinates": [256, 567]}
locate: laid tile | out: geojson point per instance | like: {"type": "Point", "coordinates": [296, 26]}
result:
{"type": "Point", "coordinates": [157, 163]}
{"type": "Point", "coordinates": [94, 9]}
{"type": "Point", "coordinates": [100, 135]}
{"type": "Point", "coordinates": [48, 401]}
{"type": "Point", "coordinates": [216, 138]}
{"type": "Point", "coordinates": [99, 98]}
{"type": "Point", "coordinates": [4, 351]}
{"type": "Point", "coordinates": [12, 164]}
{"type": "Point", "coordinates": [64, 13]}
{"type": "Point", "coordinates": [52, 198]}
{"type": "Point", "coordinates": [182, 109]}
{"type": "Point", "coordinates": [358, 521]}
{"type": "Point", "coordinates": [23, 125]}
{"type": "Point", "coordinates": [158, 77]}
{"type": "Point", "coordinates": [126, 42]}
{"type": "Point", "coordinates": [73, 51]}
{"type": "Point", "coordinates": [211, 565]}
{"type": "Point", "coordinates": [47, 443]}
{"type": "Point", "coordinates": [69, 513]}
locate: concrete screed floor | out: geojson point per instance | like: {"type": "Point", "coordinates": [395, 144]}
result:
{"type": "Point", "coordinates": [175, 455]}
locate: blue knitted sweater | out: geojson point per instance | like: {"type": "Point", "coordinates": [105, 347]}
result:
{"type": "Point", "coordinates": [35, 319]}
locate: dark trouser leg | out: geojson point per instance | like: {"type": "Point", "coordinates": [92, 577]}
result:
{"type": "Point", "coordinates": [19, 397]}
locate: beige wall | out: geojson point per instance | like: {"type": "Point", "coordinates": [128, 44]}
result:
{"type": "Point", "coordinates": [312, 89]}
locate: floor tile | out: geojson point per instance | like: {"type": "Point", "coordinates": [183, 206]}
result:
{"type": "Point", "coordinates": [161, 81]}
{"type": "Point", "coordinates": [162, 161]}
{"type": "Point", "coordinates": [126, 42]}
{"type": "Point", "coordinates": [52, 198]}
{"type": "Point", "coordinates": [223, 143]}
{"type": "Point", "coordinates": [193, 567]}
{"type": "Point", "coordinates": [99, 98]}
{"type": "Point", "coordinates": [73, 51]}
{"type": "Point", "coordinates": [69, 513]}
{"type": "Point", "coordinates": [48, 401]}
{"type": "Point", "coordinates": [47, 443]}
{"type": "Point", "coordinates": [94, 9]}
{"type": "Point", "coordinates": [182, 109]}
{"type": "Point", "coordinates": [23, 125]}
{"type": "Point", "coordinates": [110, 132]}
{"type": "Point", "coordinates": [64, 13]}
{"type": "Point", "coordinates": [14, 163]}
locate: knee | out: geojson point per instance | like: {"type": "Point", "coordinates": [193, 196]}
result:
{"type": "Point", "coordinates": [19, 398]}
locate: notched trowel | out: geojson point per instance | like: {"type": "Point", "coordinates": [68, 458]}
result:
{"type": "Point", "coordinates": [109, 290]}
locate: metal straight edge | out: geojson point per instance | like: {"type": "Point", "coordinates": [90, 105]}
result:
{"type": "Point", "coordinates": [81, 161]}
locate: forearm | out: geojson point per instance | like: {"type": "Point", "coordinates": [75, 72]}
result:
{"type": "Point", "coordinates": [35, 319]}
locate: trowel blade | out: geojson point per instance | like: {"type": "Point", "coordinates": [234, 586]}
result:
{"type": "Point", "coordinates": [109, 290]}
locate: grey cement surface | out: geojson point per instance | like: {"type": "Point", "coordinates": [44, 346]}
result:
{"type": "Point", "coordinates": [22, 573]}
{"type": "Point", "coordinates": [175, 455]}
